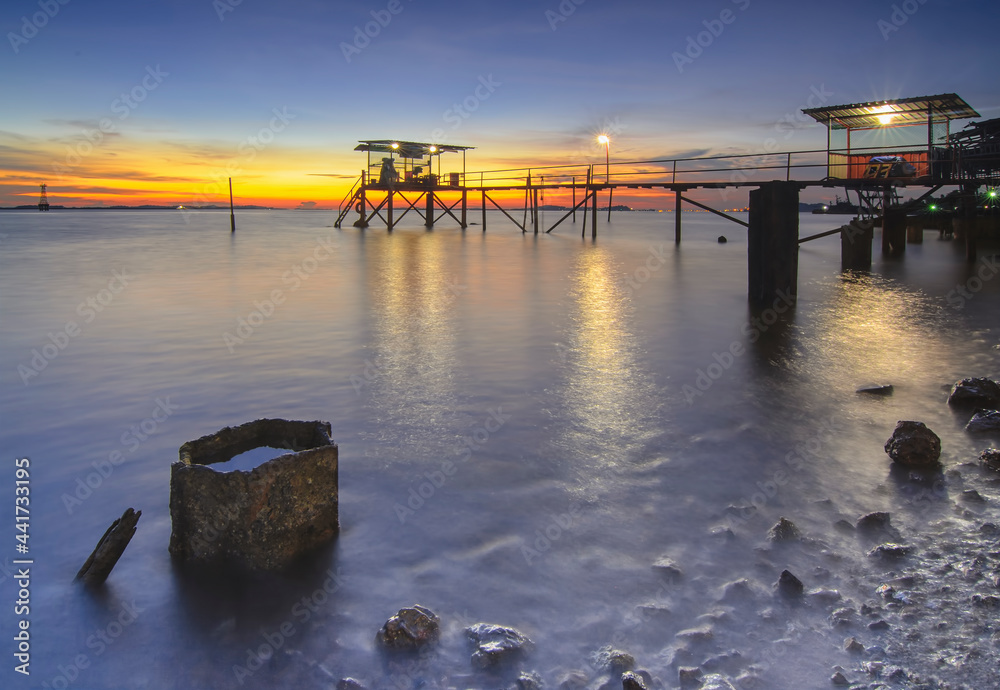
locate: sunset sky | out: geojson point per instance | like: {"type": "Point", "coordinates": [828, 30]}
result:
{"type": "Point", "coordinates": [115, 102]}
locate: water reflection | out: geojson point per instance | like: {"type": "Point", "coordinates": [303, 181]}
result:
{"type": "Point", "coordinates": [412, 291]}
{"type": "Point", "coordinates": [608, 396]}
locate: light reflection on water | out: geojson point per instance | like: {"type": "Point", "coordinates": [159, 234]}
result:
{"type": "Point", "coordinates": [407, 343]}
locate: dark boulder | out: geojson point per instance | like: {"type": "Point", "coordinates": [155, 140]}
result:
{"type": "Point", "coordinates": [914, 445]}
{"type": "Point", "coordinates": [410, 629]}
{"type": "Point", "coordinates": [975, 392]}
{"type": "Point", "coordinates": [990, 458]}
{"type": "Point", "coordinates": [495, 644]}
{"type": "Point", "coordinates": [783, 530]}
{"type": "Point", "coordinates": [984, 422]}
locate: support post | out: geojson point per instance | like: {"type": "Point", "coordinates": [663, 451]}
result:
{"type": "Point", "coordinates": [593, 208]}
{"type": "Point", "coordinates": [611, 194]}
{"type": "Point", "coordinates": [968, 206]}
{"type": "Point", "coordinates": [388, 219]}
{"type": "Point", "coordinates": [362, 208]}
{"type": "Point", "coordinates": [232, 216]}
{"type": "Point", "coordinates": [677, 216]}
{"type": "Point", "coordinates": [429, 217]}
{"type": "Point", "coordinates": [893, 226]}
{"type": "Point", "coordinates": [773, 243]}
{"type": "Point", "coordinates": [574, 199]}
{"type": "Point", "coordinates": [465, 208]}
{"type": "Point", "coordinates": [856, 245]}
{"type": "Point", "coordinates": [484, 210]}
{"type": "Point", "coordinates": [534, 209]}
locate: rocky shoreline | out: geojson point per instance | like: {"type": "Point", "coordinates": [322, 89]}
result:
{"type": "Point", "coordinates": [895, 607]}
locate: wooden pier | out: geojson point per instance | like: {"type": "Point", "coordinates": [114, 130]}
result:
{"type": "Point", "coordinates": [874, 174]}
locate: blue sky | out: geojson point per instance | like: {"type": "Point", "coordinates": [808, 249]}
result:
{"type": "Point", "coordinates": [559, 73]}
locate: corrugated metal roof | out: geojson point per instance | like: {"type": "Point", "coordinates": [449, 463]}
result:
{"type": "Point", "coordinates": [408, 149]}
{"type": "Point", "coordinates": [900, 111]}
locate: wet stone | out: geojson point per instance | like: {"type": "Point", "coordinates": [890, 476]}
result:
{"type": "Point", "coordinates": [613, 660]}
{"type": "Point", "coordinates": [984, 421]}
{"type": "Point", "coordinates": [495, 644]}
{"type": "Point", "coordinates": [889, 551]}
{"type": "Point", "coordinates": [689, 676]}
{"type": "Point", "coordinates": [668, 569]}
{"type": "Point", "coordinates": [987, 601]}
{"type": "Point", "coordinates": [410, 629]}
{"type": "Point", "coordinates": [350, 684]}
{"type": "Point", "coordinates": [876, 389]}
{"type": "Point", "coordinates": [852, 645]}
{"type": "Point", "coordinates": [737, 591]}
{"type": "Point", "coordinates": [990, 459]}
{"type": "Point", "coordinates": [632, 681]}
{"type": "Point", "coordinates": [843, 526]}
{"type": "Point", "coordinates": [972, 496]}
{"type": "Point", "coordinates": [529, 681]}
{"type": "Point", "coordinates": [783, 530]}
{"type": "Point", "coordinates": [788, 585]}
{"type": "Point", "coordinates": [880, 624]}
{"type": "Point", "coordinates": [839, 678]}
{"type": "Point", "coordinates": [975, 392]}
{"type": "Point", "coordinates": [914, 445]}
{"type": "Point", "coordinates": [573, 680]}
{"type": "Point", "coordinates": [715, 681]}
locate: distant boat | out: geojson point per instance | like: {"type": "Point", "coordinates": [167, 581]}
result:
{"type": "Point", "coordinates": [839, 207]}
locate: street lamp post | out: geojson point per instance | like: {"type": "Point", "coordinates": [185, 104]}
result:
{"type": "Point", "coordinates": [603, 139]}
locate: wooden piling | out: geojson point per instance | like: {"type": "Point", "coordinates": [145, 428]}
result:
{"type": "Point", "coordinates": [388, 201]}
{"type": "Point", "coordinates": [915, 231]}
{"type": "Point", "coordinates": [484, 210]}
{"type": "Point", "coordinates": [429, 214]}
{"type": "Point", "coordinates": [856, 245]}
{"type": "Point", "coordinates": [773, 239]}
{"type": "Point", "coordinates": [109, 549]}
{"type": "Point", "coordinates": [677, 216]}
{"type": "Point", "coordinates": [894, 232]}
{"type": "Point", "coordinates": [465, 209]}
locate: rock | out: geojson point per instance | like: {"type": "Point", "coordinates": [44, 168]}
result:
{"type": "Point", "coordinates": [990, 459]}
{"type": "Point", "coordinates": [613, 660]}
{"type": "Point", "coordinates": [842, 617]}
{"type": "Point", "coordinates": [695, 635]}
{"type": "Point", "coordinates": [880, 624]}
{"type": "Point", "coordinates": [839, 678]}
{"type": "Point", "coordinates": [824, 596]}
{"type": "Point", "coordinates": [259, 519]}
{"type": "Point", "coordinates": [722, 239]}
{"type": "Point", "coordinates": [789, 585]}
{"type": "Point", "coordinates": [852, 645]}
{"type": "Point", "coordinates": [986, 601]}
{"type": "Point", "coordinates": [783, 530]}
{"type": "Point", "coordinates": [843, 526]}
{"type": "Point", "coordinates": [715, 681]}
{"type": "Point", "coordinates": [975, 392]}
{"type": "Point", "coordinates": [876, 389]}
{"type": "Point", "coordinates": [984, 422]}
{"type": "Point", "coordinates": [574, 680]}
{"type": "Point", "coordinates": [495, 644]}
{"type": "Point", "coordinates": [737, 591]}
{"type": "Point", "coordinates": [350, 684]}
{"type": "Point", "coordinates": [972, 496]}
{"type": "Point", "coordinates": [889, 551]}
{"type": "Point", "coordinates": [529, 681]}
{"type": "Point", "coordinates": [914, 445]}
{"type": "Point", "coordinates": [668, 569]}
{"type": "Point", "coordinates": [632, 681]}
{"type": "Point", "coordinates": [689, 676]}
{"type": "Point", "coordinates": [410, 629]}
{"type": "Point", "coordinates": [877, 524]}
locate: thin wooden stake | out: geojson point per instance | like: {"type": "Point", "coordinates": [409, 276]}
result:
{"type": "Point", "coordinates": [232, 216]}
{"type": "Point", "coordinates": [109, 549]}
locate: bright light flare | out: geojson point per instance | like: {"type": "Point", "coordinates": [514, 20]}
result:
{"type": "Point", "coordinates": [603, 139]}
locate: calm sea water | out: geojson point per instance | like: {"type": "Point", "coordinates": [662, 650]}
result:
{"type": "Point", "coordinates": [525, 425]}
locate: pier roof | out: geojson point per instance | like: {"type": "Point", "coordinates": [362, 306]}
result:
{"type": "Point", "coordinates": [899, 111]}
{"type": "Point", "coordinates": [408, 149]}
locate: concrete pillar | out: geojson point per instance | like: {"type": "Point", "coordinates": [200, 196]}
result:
{"type": "Point", "coordinates": [773, 239]}
{"type": "Point", "coordinates": [893, 232]}
{"type": "Point", "coordinates": [856, 245]}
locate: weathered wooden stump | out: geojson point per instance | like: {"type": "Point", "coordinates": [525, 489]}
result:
{"type": "Point", "coordinates": [109, 549]}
